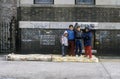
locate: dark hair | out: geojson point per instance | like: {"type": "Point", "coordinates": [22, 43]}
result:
{"type": "Point", "coordinates": [87, 28]}
{"type": "Point", "coordinates": [70, 26]}
{"type": "Point", "coordinates": [78, 26]}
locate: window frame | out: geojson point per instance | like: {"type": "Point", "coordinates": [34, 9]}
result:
{"type": "Point", "coordinates": [76, 3]}
{"type": "Point", "coordinates": [43, 3]}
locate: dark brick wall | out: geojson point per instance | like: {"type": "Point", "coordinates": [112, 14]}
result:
{"type": "Point", "coordinates": [106, 42]}
{"type": "Point", "coordinates": [78, 14]}
{"type": "Point", "coordinates": [32, 41]}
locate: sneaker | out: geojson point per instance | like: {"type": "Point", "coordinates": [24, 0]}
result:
{"type": "Point", "coordinates": [77, 55]}
{"type": "Point", "coordinates": [63, 55]}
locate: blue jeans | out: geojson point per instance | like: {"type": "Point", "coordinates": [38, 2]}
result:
{"type": "Point", "coordinates": [64, 50]}
{"type": "Point", "coordinates": [78, 44]}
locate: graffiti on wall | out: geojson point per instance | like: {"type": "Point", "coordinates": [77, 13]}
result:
{"type": "Point", "coordinates": [47, 39]}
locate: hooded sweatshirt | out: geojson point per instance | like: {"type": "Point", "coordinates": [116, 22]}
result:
{"type": "Point", "coordinates": [64, 40]}
{"type": "Point", "coordinates": [87, 37]}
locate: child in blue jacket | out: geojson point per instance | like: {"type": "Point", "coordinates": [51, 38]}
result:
{"type": "Point", "coordinates": [71, 40]}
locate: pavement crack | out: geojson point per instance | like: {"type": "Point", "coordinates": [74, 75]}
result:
{"type": "Point", "coordinates": [106, 70]}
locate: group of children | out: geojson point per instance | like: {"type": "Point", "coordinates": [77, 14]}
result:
{"type": "Point", "coordinates": [72, 41]}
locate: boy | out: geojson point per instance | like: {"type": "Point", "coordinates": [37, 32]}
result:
{"type": "Point", "coordinates": [78, 41]}
{"type": "Point", "coordinates": [64, 42]}
{"type": "Point", "coordinates": [71, 40]}
{"type": "Point", "coordinates": [87, 37]}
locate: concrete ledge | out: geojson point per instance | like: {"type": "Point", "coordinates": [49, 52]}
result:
{"type": "Point", "coordinates": [57, 58]}
{"type": "Point", "coordinates": [54, 58]}
{"type": "Point", "coordinates": [30, 57]}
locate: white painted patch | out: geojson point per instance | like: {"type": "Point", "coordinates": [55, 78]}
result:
{"type": "Point", "coordinates": [60, 25]}
{"type": "Point", "coordinates": [65, 25]}
{"type": "Point", "coordinates": [35, 24]}
{"type": "Point", "coordinates": [52, 25]}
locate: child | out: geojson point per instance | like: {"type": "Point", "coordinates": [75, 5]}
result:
{"type": "Point", "coordinates": [87, 37]}
{"type": "Point", "coordinates": [71, 40]}
{"type": "Point", "coordinates": [64, 42]}
{"type": "Point", "coordinates": [78, 41]}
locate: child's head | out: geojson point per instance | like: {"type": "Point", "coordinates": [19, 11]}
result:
{"type": "Point", "coordinates": [78, 28]}
{"type": "Point", "coordinates": [65, 34]}
{"type": "Point", "coordinates": [71, 27]}
{"type": "Point", "coordinates": [87, 29]}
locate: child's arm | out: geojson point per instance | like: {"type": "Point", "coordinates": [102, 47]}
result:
{"type": "Point", "coordinates": [62, 40]}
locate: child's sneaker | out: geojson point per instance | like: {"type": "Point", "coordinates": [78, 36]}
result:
{"type": "Point", "coordinates": [77, 55]}
{"type": "Point", "coordinates": [63, 55]}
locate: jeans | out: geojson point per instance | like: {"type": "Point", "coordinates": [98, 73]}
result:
{"type": "Point", "coordinates": [64, 50]}
{"type": "Point", "coordinates": [78, 50]}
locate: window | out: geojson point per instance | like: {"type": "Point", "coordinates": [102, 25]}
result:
{"type": "Point", "coordinates": [44, 1]}
{"type": "Point", "coordinates": [89, 2]}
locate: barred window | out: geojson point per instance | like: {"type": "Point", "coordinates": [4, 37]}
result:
{"type": "Point", "coordinates": [44, 1]}
{"type": "Point", "coordinates": [89, 2]}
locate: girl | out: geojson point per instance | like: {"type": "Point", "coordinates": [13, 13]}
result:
{"type": "Point", "coordinates": [64, 42]}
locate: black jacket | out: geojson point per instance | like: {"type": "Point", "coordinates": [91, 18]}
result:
{"type": "Point", "coordinates": [78, 34]}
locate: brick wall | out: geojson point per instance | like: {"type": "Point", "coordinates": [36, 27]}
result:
{"type": "Point", "coordinates": [68, 14]}
{"type": "Point", "coordinates": [78, 14]}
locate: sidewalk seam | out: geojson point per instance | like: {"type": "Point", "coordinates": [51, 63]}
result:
{"type": "Point", "coordinates": [106, 70]}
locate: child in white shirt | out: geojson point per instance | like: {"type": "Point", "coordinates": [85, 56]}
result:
{"type": "Point", "coordinates": [64, 42]}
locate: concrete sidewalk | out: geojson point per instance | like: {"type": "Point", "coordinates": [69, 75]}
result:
{"type": "Point", "coordinates": [61, 70]}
